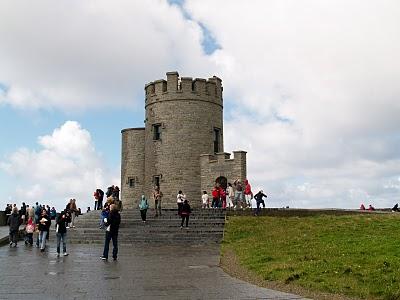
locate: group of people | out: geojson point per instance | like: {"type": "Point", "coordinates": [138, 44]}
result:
{"type": "Point", "coordinates": [238, 195]}
{"type": "Point", "coordinates": [112, 198]}
{"type": "Point", "coordinates": [370, 207]}
{"type": "Point", "coordinates": [38, 220]}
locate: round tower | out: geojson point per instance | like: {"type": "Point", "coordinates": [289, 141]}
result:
{"type": "Point", "coordinates": [184, 119]}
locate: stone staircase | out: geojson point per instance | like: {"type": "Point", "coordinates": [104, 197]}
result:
{"type": "Point", "coordinates": [205, 227]}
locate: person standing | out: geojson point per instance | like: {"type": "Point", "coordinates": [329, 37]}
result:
{"type": "Point", "coordinates": [179, 201]}
{"type": "Point", "coordinates": [215, 196]}
{"type": "Point", "coordinates": [248, 194]}
{"type": "Point", "coordinates": [96, 199]}
{"type": "Point", "coordinates": [238, 193]}
{"type": "Point", "coordinates": [112, 226]}
{"type": "Point", "coordinates": [61, 232]}
{"type": "Point", "coordinates": [185, 213]}
{"type": "Point", "coordinates": [230, 195]}
{"type": "Point", "coordinates": [143, 206]}
{"type": "Point", "coordinates": [115, 193]}
{"type": "Point", "coordinates": [100, 199]}
{"type": "Point", "coordinates": [14, 221]}
{"type": "Point", "coordinates": [22, 212]}
{"type": "Point", "coordinates": [259, 198]}
{"type": "Point", "coordinates": [44, 226]}
{"type": "Point", "coordinates": [222, 195]}
{"type": "Point", "coordinates": [157, 196]}
{"type": "Point", "coordinates": [29, 230]}
{"type": "Point", "coordinates": [74, 210]}
{"type": "Point", "coordinates": [205, 200]}
{"type": "Point", "coordinates": [109, 193]}
{"type": "Point", "coordinates": [53, 213]}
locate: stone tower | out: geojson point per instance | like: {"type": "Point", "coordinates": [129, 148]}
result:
{"type": "Point", "coordinates": [183, 122]}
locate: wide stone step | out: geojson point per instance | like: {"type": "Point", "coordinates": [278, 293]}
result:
{"type": "Point", "coordinates": [206, 226]}
{"type": "Point", "coordinates": [168, 223]}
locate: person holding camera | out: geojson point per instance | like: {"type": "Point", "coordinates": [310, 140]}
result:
{"type": "Point", "coordinates": [61, 232]}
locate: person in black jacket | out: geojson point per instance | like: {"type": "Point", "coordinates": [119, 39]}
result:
{"type": "Point", "coordinates": [61, 229]}
{"type": "Point", "coordinates": [14, 221]}
{"type": "Point", "coordinates": [185, 213]}
{"type": "Point", "coordinates": [44, 226]}
{"type": "Point", "coordinates": [112, 226]}
{"type": "Point", "coordinates": [259, 198]}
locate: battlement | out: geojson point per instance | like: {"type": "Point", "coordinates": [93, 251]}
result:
{"type": "Point", "coordinates": [223, 157]}
{"type": "Point", "coordinates": [221, 165]}
{"type": "Point", "coordinates": [176, 88]}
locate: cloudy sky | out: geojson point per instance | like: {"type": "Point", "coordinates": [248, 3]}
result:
{"type": "Point", "coordinates": [311, 91]}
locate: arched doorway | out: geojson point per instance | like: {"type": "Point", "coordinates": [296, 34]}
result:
{"type": "Point", "coordinates": [222, 181]}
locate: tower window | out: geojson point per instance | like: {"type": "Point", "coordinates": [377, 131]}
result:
{"type": "Point", "coordinates": [131, 182]}
{"type": "Point", "coordinates": [156, 132]}
{"type": "Point", "coordinates": [156, 180]}
{"type": "Point", "coordinates": [216, 140]}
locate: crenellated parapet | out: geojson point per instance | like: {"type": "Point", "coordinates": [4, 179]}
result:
{"type": "Point", "coordinates": [184, 88]}
{"type": "Point", "coordinates": [222, 165]}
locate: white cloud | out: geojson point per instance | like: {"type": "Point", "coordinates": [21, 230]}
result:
{"type": "Point", "coordinates": [311, 87]}
{"type": "Point", "coordinates": [66, 166]}
{"type": "Point", "coordinates": [79, 54]}
{"type": "Point", "coordinates": [316, 96]}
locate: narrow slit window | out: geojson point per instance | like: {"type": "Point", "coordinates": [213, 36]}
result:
{"type": "Point", "coordinates": [157, 132]}
{"type": "Point", "coordinates": [216, 140]}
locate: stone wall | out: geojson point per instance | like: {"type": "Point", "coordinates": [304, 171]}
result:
{"type": "Point", "coordinates": [132, 166]}
{"type": "Point", "coordinates": [220, 164]}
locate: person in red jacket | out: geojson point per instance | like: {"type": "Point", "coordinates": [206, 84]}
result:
{"type": "Point", "coordinates": [222, 194]}
{"type": "Point", "coordinates": [215, 196]}
{"type": "Point", "coordinates": [248, 194]}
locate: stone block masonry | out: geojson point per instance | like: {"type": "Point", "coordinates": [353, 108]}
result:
{"type": "Point", "coordinates": [183, 121]}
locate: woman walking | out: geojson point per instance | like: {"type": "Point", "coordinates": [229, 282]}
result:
{"type": "Point", "coordinates": [185, 213]}
{"type": "Point", "coordinates": [143, 206]}
{"type": "Point", "coordinates": [180, 198]}
{"type": "Point", "coordinates": [14, 221]}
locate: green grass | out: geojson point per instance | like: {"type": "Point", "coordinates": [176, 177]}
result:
{"type": "Point", "coordinates": [357, 255]}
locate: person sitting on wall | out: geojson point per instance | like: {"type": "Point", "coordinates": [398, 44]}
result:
{"type": "Point", "coordinates": [395, 208]}
{"type": "Point", "coordinates": [371, 207]}
{"type": "Point", "coordinates": [362, 207]}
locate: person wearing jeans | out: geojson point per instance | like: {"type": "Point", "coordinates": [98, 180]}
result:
{"type": "Point", "coordinates": [44, 226]}
{"type": "Point", "coordinates": [143, 206]}
{"type": "Point", "coordinates": [61, 230]}
{"type": "Point", "coordinates": [112, 227]}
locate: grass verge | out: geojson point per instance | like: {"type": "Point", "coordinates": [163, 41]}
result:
{"type": "Point", "coordinates": [323, 257]}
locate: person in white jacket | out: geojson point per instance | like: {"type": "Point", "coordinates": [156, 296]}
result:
{"type": "Point", "coordinates": [231, 195]}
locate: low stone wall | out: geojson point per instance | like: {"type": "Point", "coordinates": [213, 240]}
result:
{"type": "Point", "coordinates": [3, 218]}
{"type": "Point", "coordinates": [295, 212]}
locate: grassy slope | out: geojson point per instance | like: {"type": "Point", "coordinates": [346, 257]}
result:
{"type": "Point", "coordinates": [355, 255]}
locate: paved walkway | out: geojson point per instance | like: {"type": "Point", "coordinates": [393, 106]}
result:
{"type": "Point", "coordinates": [141, 272]}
